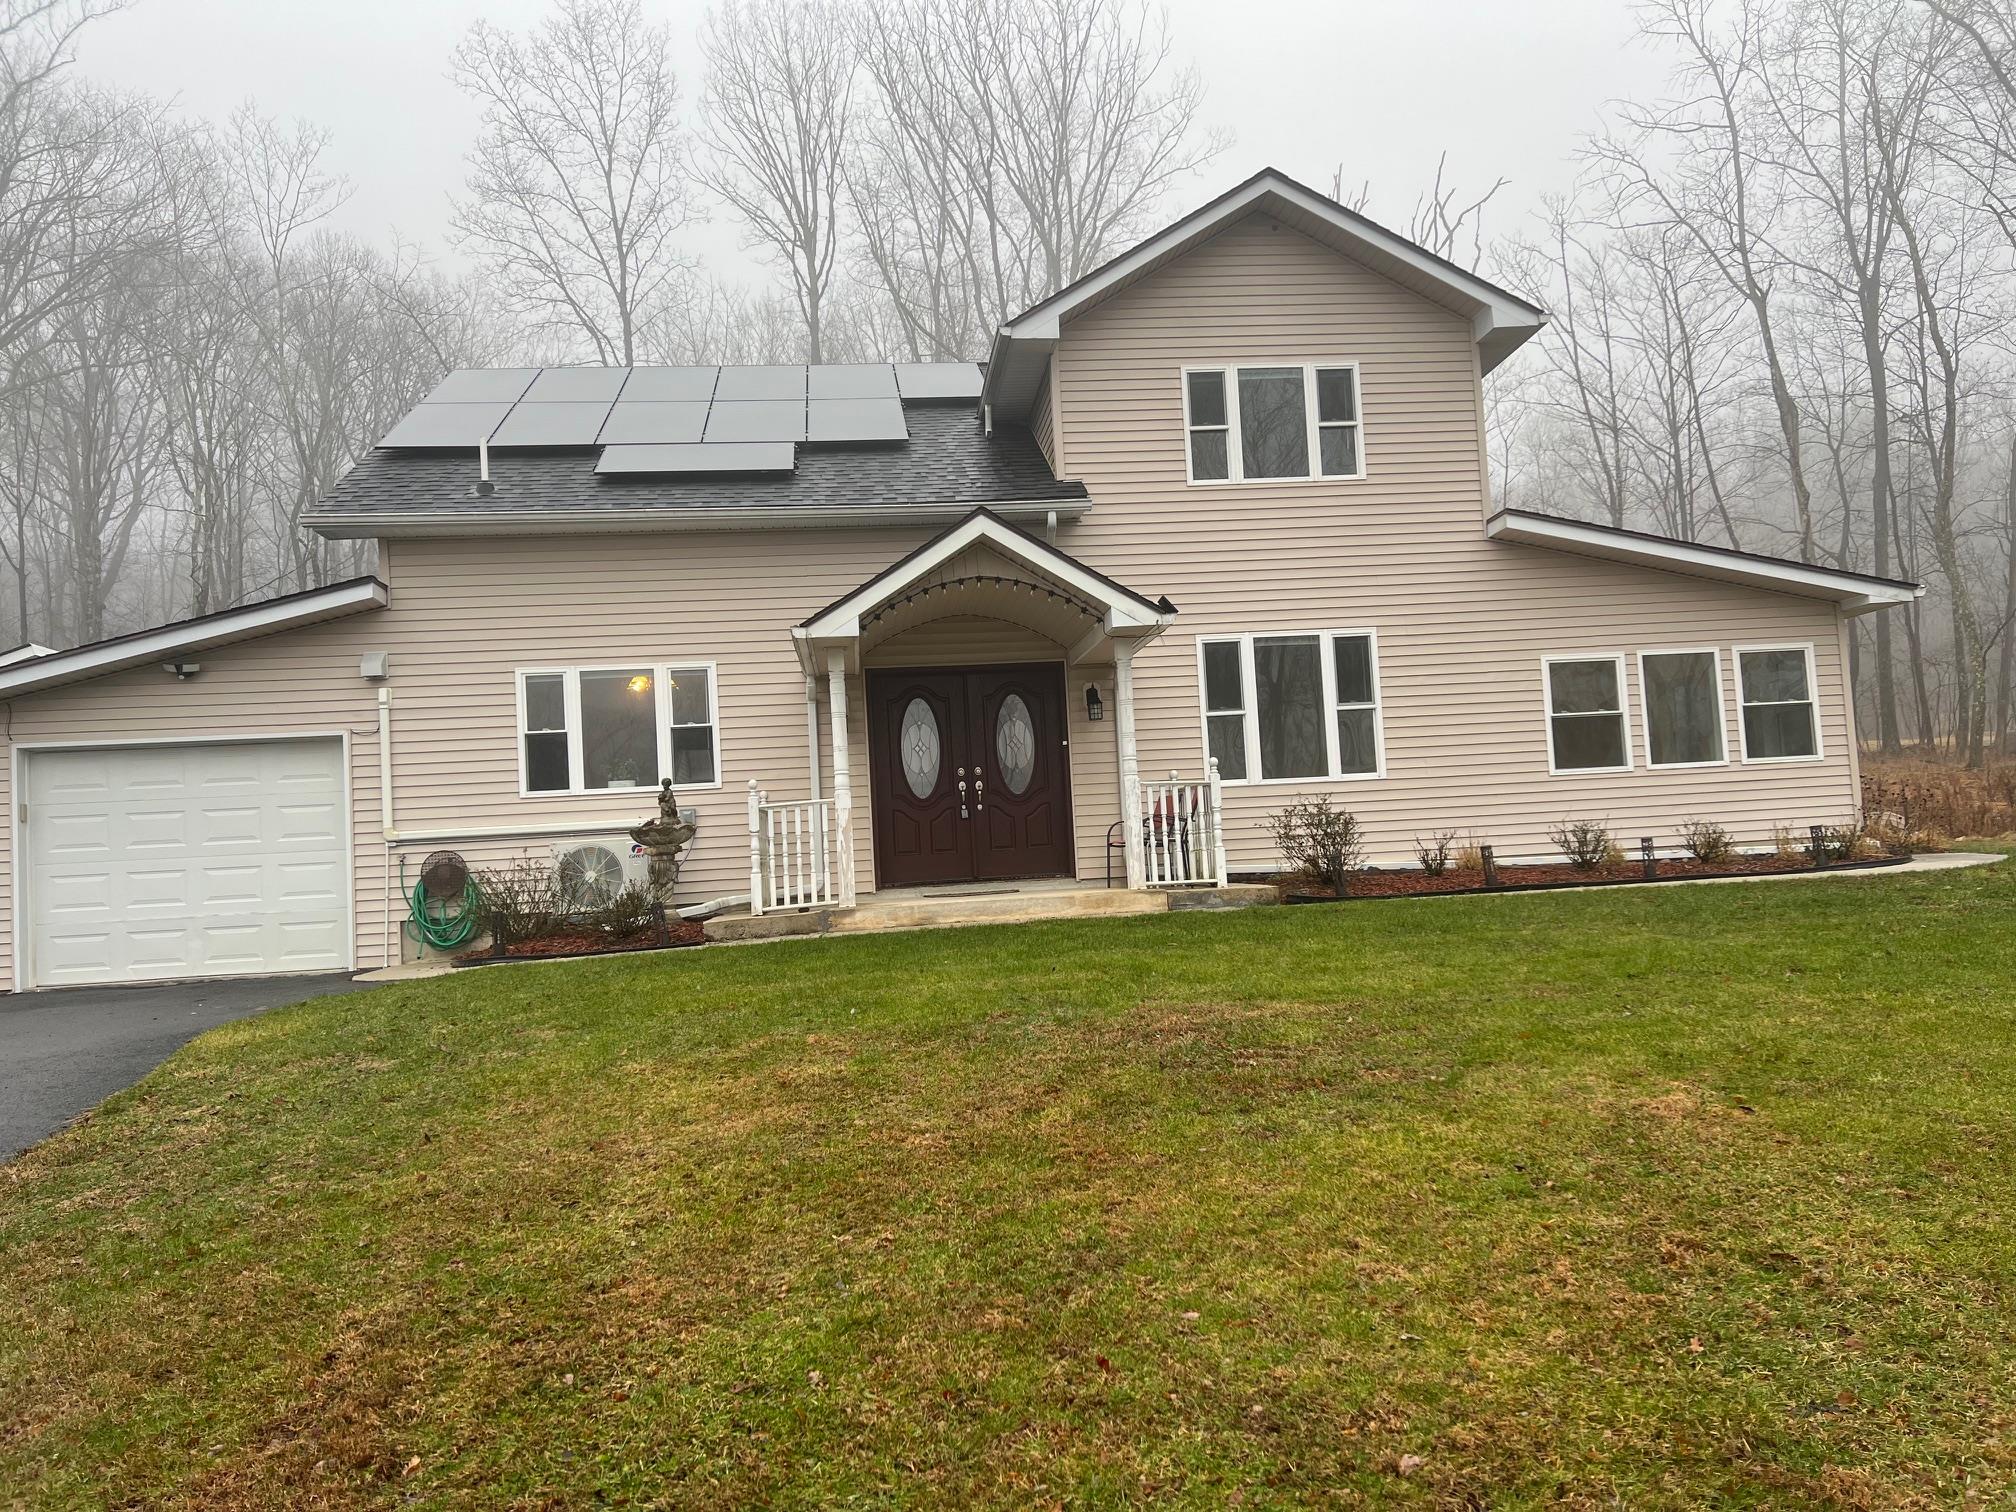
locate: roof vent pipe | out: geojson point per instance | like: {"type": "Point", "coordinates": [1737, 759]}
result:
{"type": "Point", "coordinates": [987, 416]}
{"type": "Point", "coordinates": [484, 487]}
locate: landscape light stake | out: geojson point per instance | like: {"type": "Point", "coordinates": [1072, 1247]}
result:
{"type": "Point", "coordinates": [1817, 837]}
{"type": "Point", "coordinates": [1490, 866]}
{"type": "Point", "coordinates": [1645, 854]}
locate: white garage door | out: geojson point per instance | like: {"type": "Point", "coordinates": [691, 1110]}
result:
{"type": "Point", "coordinates": [154, 861]}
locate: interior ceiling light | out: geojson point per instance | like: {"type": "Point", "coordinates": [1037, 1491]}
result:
{"type": "Point", "coordinates": [640, 684]}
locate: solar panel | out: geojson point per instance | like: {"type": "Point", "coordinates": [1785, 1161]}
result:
{"type": "Point", "coordinates": [447, 425]}
{"type": "Point", "coordinates": [852, 380]}
{"type": "Point", "coordinates": [482, 386]}
{"type": "Point", "coordinates": [757, 420]}
{"type": "Point", "coordinates": [749, 457]}
{"type": "Point", "coordinates": [761, 383]}
{"type": "Point", "coordinates": [659, 383]}
{"type": "Point", "coordinates": [561, 385]}
{"type": "Point", "coordinates": [855, 420]}
{"type": "Point", "coordinates": [658, 421]}
{"type": "Point", "coordinates": [552, 424]}
{"type": "Point", "coordinates": [938, 380]}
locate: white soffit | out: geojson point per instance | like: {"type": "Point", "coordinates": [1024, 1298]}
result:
{"type": "Point", "coordinates": [1855, 592]}
{"type": "Point", "coordinates": [170, 641]}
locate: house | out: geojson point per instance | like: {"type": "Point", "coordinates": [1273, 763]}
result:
{"type": "Point", "coordinates": [1224, 500]}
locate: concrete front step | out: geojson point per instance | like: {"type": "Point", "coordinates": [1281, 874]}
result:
{"type": "Point", "coordinates": [941, 908]}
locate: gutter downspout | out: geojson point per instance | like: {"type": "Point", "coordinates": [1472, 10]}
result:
{"type": "Point", "coordinates": [386, 829]}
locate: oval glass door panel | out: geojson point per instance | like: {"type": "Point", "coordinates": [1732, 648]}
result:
{"type": "Point", "coordinates": [1015, 743]}
{"type": "Point", "coordinates": [918, 744]}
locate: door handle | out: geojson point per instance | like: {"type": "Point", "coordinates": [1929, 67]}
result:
{"type": "Point", "coordinates": [979, 791]}
{"type": "Point", "coordinates": [963, 814]}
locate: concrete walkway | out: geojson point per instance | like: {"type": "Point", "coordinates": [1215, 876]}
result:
{"type": "Point", "coordinates": [65, 1051]}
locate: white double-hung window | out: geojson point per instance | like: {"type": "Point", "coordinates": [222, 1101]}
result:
{"type": "Point", "coordinates": [1586, 731]}
{"type": "Point", "coordinates": [1298, 706]}
{"type": "Point", "coordinates": [1780, 720]}
{"type": "Point", "coordinates": [600, 729]}
{"type": "Point", "coordinates": [1261, 422]}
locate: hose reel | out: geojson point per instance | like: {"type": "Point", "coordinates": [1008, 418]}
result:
{"type": "Point", "coordinates": [447, 905]}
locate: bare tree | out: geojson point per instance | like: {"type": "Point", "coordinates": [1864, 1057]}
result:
{"type": "Point", "coordinates": [1011, 151]}
{"type": "Point", "coordinates": [1711, 190]}
{"type": "Point", "coordinates": [577, 186]}
{"type": "Point", "coordinates": [777, 102]}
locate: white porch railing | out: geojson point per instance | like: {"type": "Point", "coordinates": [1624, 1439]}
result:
{"type": "Point", "coordinates": [790, 854]}
{"type": "Point", "coordinates": [1182, 836]}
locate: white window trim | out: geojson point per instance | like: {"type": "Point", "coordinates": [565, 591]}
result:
{"type": "Point", "coordinates": [1736, 654]}
{"type": "Point", "coordinates": [1234, 458]}
{"type": "Point", "coordinates": [661, 673]}
{"type": "Point", "coordinates": [1714, 653]}
{"type": "Point", "coordinates": [1249, 693]}
{"type": "Point", "coordinates": [1623, 710]}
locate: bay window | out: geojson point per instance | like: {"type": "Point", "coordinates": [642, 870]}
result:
{"type": "Point", "coordinates": [1682, 696]}
{"type": "Point", "coordinates": [1292, 707]}
{"type": "Point", "coordinates": [1272, 422]}
{"type": "Point", "coordinates": [1585, 714]}
{"type": "Point", "coordinates": [1780, 721]}
{"type": "Point", "coordinates": [604, 729]}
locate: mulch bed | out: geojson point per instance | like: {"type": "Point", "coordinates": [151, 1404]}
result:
{"type": "Point", "coordinates": [1415, 884]}
{"type": "Point", "coordinates": [678, 933]}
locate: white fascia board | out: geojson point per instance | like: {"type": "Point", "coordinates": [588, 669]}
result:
{"type": "Point", "coordinates": [408, 524]}
{"type": "Point", "coordinates": [174, 640]}
{"type": "Point", "coordinates": [1119, 611]}
{"type": "Point", "coordinates": [1855, 594]}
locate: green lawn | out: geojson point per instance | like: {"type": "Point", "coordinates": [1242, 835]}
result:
{"type": "Point", "coordinates": [1662, 1198]}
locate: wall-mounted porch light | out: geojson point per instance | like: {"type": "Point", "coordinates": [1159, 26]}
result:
{"type": "Point", "coordinates": [1095, 709]}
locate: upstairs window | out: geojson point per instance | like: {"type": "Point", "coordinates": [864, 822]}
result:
{"type": "Point", "coordinates": [1779, 720]}
{"type": "Point", "coordinates": [1265, 423]}
{"type": "Point", "coordinates": [1585, 714]}
{"type": "Point", "coordinates": [1285, 708]}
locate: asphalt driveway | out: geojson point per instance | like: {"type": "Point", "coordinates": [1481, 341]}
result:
{"type": "Point", "coordinates": [64, 1052]}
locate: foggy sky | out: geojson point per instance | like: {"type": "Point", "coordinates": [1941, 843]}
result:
{"type": "Point", "coordinates": [1302, 85]}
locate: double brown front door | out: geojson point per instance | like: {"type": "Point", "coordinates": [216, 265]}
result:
{"type": "Point", "coordinates": [971, 774]}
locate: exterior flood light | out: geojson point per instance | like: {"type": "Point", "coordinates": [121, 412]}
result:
{"type": "Point", "coordinates": [183, 670]}
{"type": "Point", "coordinates": [1095, 710]}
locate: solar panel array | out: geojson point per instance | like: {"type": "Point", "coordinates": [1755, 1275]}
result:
{"type": "Point", "coordinates": [682, 419]}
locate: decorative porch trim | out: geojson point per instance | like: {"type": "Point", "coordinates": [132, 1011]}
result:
{"type": "Point", "coordinates": [1122, 613]}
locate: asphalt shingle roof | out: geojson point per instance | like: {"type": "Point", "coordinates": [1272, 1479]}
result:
{"type": "Point", "coordinates": [949, 459]}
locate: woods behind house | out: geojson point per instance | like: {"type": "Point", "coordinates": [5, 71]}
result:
{"type": "Point", "coordinates": [1781, 294]}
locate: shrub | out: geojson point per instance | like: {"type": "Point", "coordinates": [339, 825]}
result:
{"type": "Point", "coordinates": [1469, 857]}
{"type": "Point", "coordinates": [1313, 837]}
{"type": "Point", "coordinates": [1585, 842]}
{"type": "Point", "coordinates": [630, 912]}
{"type": "Point", "coordinates": [1433, 852]}
{"type": "Point", "coordinates": [522, 900]}
{"type": "Point", "coordinates": [1707, 841]}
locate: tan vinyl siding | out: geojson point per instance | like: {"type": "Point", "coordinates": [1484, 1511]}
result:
{"type": "Point", "coordinates": [1462, 621]}
{"type": "Point", "coordinates": [466, 616]}
{"type": "Point", "coordinates": [1043, 425]}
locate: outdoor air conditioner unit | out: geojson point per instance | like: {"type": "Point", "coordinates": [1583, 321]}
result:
{"type": "Point", "coordinates": [595, 869]}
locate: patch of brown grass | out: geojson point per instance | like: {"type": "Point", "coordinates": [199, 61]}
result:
{"type": "Point", "coordinates": [1921, 797]}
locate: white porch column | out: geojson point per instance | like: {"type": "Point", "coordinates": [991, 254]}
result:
{"type": "Point", "coordinates": [1130, 761]}
{"type": "Point", "coordinates": [843, 782]}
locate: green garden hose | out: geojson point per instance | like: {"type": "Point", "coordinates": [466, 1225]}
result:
{"type": "Point", "coordinates": [442, 926]}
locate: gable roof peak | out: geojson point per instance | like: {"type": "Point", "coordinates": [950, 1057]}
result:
{"type": "Point", "coordinates": [1500, 320]}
